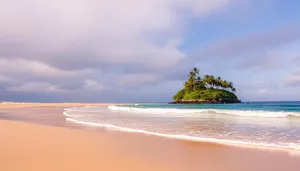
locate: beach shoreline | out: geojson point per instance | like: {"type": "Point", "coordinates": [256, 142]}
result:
{"type": "Point", "coordinates": [134, 151]}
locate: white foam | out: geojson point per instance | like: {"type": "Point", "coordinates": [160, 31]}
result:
{"type": "Point", "coordinates": [111, 127]}
{"type": "Point", "coordinates": [246, 113]}
{"type": "Point", "coordinates": [66, 114]}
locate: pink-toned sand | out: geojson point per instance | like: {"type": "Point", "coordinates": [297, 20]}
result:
{"type": "Point", "coordinates": [32, 147]}
{"type": "Point", "coordinates": [21, 105]}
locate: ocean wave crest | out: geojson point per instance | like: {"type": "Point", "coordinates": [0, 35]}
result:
{"type": "Point", "coordinates": [111, 127]}
{"type": "Point", "coordinates": [245, 113]}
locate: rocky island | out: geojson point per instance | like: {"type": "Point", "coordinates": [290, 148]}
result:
{"type": "Point", "coordinates": [206, 90]}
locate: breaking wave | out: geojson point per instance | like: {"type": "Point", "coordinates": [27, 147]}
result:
{"type": "Point", "coordinates": [111, 127]}
{"type": "Point", "coordinates": [245, 113]}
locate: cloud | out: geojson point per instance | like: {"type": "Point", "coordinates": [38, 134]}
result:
{"type": "Point", "coordinates": [3, 78]}
{"type": "Point", "coordinates": [92, 85]}
{"type": "Point", "coordinates": [97, 33]}
{"type": "Point", "coordinates": [296, 59]}
{"type": "Point", "coordinates": [265, 62]}
{"type": "Point", "coordinates": [296, 71]}
{"type": "Point", "coordinates": [252, 44]}
{"type": "Point", "coordinates": [293, 79]}
{"type": "Point", "coordinates": [267, 89]}
{"type": "Point", "coordinates": [93, 45]}
{"type": "Point", "coordinates": [36, 87]}
{"type": "Point", "coordinates": [36, 68]}
{"type": "Point", "coordinates": [130, 80]}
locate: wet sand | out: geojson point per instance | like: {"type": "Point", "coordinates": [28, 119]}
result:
{"type": "Point", "coordinates": [52, 144]}
{"type": "Point", "coordinates": [22, 105]}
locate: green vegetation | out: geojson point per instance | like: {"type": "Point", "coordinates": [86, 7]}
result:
{"type": "Point", "coordinates": [207, 88]}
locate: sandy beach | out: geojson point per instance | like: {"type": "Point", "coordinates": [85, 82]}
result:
{"type": "Point", "coordinates": [30, 144]}
{"type": "Point", "coordinates": [22, 105]}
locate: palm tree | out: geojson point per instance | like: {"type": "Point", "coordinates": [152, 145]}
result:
{"type": "Point", "coordinates": [188, 86]}
{"type": "Point", "coordinates": [219, 82]}
{"type": "Point", "coordinates": [198, 78]}
{"type": "Point", "coordinates": [213, 81]}
{"type": "Point", "coordinates": [191, 82]}
{"type": "Point", "coordinates": [207, 80]}
{"type": "Point", "coordinates": [225, 84]}
{"type": "Point", "coordinates": [199, 83]}
{"type": "Point", "coordinates": [230, 85]}
{"type": "Point", "coordinates": [196, 71]}
{"type": "Point", "coordinates": [192, 75]}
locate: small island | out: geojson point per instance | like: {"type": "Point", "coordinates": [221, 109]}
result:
{"type": "Point", "coordinates": [206, 90]}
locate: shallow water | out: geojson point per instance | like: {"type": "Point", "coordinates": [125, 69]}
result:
{"type": "Point", "coordinates": [268, 124]}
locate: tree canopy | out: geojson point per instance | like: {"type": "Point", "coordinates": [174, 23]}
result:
{"type": "Point", "coordinates": [207, 88]}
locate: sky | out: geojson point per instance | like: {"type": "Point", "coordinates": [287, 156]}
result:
{"type": "Point", "coordinates": [143, 50]}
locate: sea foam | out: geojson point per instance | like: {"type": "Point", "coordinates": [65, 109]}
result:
{"type": "Point", "coordinates": [111, 127]}
{"type": "Point", "coordinates": [245, 113]}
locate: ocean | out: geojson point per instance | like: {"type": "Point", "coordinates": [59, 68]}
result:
{"type": "Point", "coordinates": [259, 124]}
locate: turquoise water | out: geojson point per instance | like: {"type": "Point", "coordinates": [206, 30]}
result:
{"type": "Point", "coordinates": [266, 106]}
{"type": "Point", "coordinates": [267, 124]}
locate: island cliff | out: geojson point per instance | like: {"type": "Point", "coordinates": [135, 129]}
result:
{"type": "Point", "coordinates": [208, 89]}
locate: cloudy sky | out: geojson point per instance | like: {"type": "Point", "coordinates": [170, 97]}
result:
{"type": "Point", "coordinates": [142, 50]}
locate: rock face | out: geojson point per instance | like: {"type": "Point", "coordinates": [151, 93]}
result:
{"type": "Point", "coordinates": [220, 101]}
